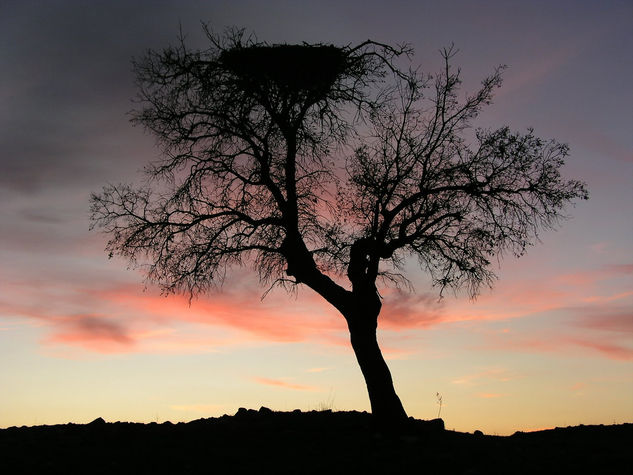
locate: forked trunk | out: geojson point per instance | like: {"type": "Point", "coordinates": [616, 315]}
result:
{"type": "Point", "coordinates": [385, 403]}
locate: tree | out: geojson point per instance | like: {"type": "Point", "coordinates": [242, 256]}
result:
{"type": "Point", "coordinates": [249, 133]}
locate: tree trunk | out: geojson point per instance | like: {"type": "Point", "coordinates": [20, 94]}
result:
{"type": "Point", "coordinates": [385, 403]}
{"type": "Point", "coordinates": [361, 308]}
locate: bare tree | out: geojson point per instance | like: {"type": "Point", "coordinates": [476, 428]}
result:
{"type": "Point", "coordinates": [249, 131]}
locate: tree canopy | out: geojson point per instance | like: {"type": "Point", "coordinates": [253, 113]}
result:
{"type": "Point", "coordinates": [327, 166]}
{"type": "Point", "coordinates": [414, 185]}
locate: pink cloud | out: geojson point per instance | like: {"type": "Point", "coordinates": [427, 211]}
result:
{"type": "Point", "coordinates": [117, 328]}
{"type": "Point", "coordinates": [565, 340]}
{"type": "Point", "coordinates": [531, 71]}
{"type": "Point", "coordinates": [272, 321]}
{"type": "Point", "coordinates": [130, 320]}
{"type": "Point", "coordinates": [600, 247]}
{"type": "Point", "coordinates": [610, 350]}
{"type": "Point", "coordinates": [579, 292]}
{"type": "Point", "coordinates": [589, 277]}
{"type": "Point", "coordinates": [591, 137]}
{"type": "Point", "coordinates": [510, 299]}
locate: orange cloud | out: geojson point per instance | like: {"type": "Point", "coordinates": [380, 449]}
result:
{"type": "Point", "coordinates": [490, 395]}
{"type": "Point", "coordinates": [494, 374]}
{"type": "Point", "coordinates": [607, 298]}
{"type": "Point", "coordinates": [284, 384]}
{"type": "Point", "coordinates": [201, 408]}
{"type": "Point", "coordinates": [392, 353]}
{"type": "Point", "coordinates": [538, 429]}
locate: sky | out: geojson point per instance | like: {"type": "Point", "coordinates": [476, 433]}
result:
{"type": "Point", "coordinates": [82, 336]}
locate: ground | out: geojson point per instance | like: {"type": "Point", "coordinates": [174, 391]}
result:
{"type": "Point", "coordinates": [322, 442]}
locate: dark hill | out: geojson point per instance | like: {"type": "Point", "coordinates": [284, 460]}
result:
{"type": "Point", "coordinates": [308, 443]}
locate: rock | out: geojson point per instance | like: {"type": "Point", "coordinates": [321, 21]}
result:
{"type": "Point", "coordinates": [243, 412]}
{"type": "Point", "coordinates": [265, 410]}
{"type": "Point", "coordinates": [97, 422]}
{"type": "Point", "coordinates": [435, 425]}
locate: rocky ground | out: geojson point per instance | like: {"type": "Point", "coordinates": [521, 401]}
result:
{"type": "Point", "coordinates": [322, 442]}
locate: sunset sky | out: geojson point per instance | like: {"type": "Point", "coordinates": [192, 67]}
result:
{"type": "Point", "coordinates": [83, 337]}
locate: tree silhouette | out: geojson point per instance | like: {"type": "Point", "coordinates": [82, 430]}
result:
{"type": "Point", "coordinates": [250, 133]}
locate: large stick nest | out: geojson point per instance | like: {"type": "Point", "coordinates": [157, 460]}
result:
{"type": "Point", "coordinates": [291, 68]}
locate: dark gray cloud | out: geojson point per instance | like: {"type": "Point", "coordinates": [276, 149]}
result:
{"type": "Point", "coordinates": [67, 82]}
{"type": "Point", "coordinates": [606, 318]}
{"type": "Point", "coordinates": [67, 85]}
{"type": "Point", "coordinates": [403, 310]}
{"type": "Point", "coordinates": [89, 327]}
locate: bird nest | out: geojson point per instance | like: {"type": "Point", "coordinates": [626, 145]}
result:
{"type": "Point", "coordinates": [292, 68]}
